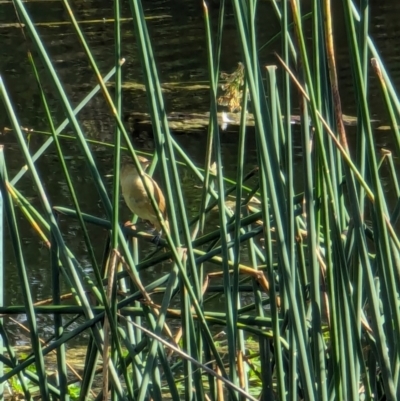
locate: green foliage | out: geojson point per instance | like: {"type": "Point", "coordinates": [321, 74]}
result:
{"type": "Point", "coordinates": [74, 391]}
{"type": "Point", "coordinates": [322, 266]}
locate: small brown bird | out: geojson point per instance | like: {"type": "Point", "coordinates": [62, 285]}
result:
{"type": "Point", "coordinates": [135, 194]}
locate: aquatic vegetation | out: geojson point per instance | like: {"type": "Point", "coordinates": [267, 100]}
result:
{"type": "Point", "coordinates": [290, 291]}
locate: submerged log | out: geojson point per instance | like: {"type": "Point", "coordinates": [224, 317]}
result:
{"type": "Point", "coordinates": [193, 122]}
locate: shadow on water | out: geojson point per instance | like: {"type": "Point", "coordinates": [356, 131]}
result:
{"type": "Point", "coordinates": [177, 32]}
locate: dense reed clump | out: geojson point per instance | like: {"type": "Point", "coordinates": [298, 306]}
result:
{"type": "Point", "coordinates": [309, 278]}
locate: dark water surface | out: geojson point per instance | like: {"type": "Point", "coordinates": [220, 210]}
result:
{"type": "Point", "coordinates": [177, 33]}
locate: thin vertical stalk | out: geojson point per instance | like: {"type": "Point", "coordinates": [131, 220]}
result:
{"type": "Point", "coordinates": [361, 152]}
{"type": "Point", "coordinates": [280, 373]}
{"type": "Point", "coordinates": [58, 324]}
{"type": "Point", "coordinates": [238, 206]}
{"type": "Point", "coordinates": [211, 132]}
{"type": "Point", "coordinates": [117, 132]}
{"type": "Point", "coordinates": [311, 185]}
{"type": "Point", "coordinates": [287, 110]}
{"type": "Point", "coordinates": [231, 304]}
{"type": "Point", "coordinates": [287, 42]}
{"type": "Point", "coordinates": [116, 346]}
{"type": "Point", "coordinates": [22, 272]}
{"type": "Point", "coordinates": [312, 250]}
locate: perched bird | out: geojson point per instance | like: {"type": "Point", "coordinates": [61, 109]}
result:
{"type": "Point", "coordinates": [135, 194]}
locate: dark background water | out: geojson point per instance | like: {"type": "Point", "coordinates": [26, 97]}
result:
{"type": "Point", "coordinates": [178, 38]}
